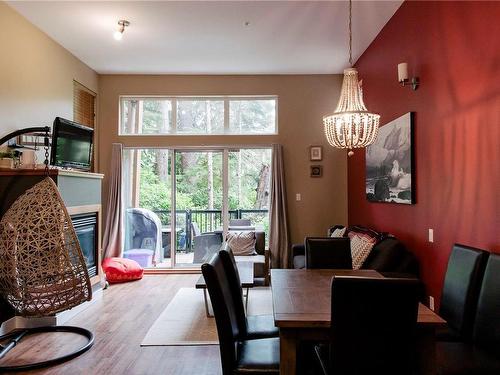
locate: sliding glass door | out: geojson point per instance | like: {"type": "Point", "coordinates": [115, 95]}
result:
{"type": "Point", "coordinates": [198, 205]}
{"type": "Point", "coordinates": [146, 199]}
{"type": "Point", "coordinates": [180, 203]}
{"type": "Point", "coordinates": [249, 181]}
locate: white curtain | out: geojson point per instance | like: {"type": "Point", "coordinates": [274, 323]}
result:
{"type": "Point", "coordinates": [113, 238]}
{"type": "Point", "coordinates": [278, 213]}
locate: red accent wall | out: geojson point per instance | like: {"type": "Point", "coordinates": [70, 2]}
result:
{"type": "Point", "coordinates": [454, 47]}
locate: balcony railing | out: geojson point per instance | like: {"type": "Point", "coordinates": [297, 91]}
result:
{"type": "Point", "coordinates": [207, 221]}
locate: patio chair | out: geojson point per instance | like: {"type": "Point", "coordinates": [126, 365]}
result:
{"type": "Point", "coordinates": [143, 237]}
{"type": "Point", "coordinates": [195, 229]}
{"type": "Point", "coordinates": [240, 222]}
{"type": "Point", "coordinates": [205, 246]}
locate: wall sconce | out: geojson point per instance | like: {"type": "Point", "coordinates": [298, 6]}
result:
{"type": "Point", "coordinates": [403, 77]}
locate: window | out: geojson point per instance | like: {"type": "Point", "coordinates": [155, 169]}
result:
{"type": "Point", "coordinates": [146, 116]}
{"type": "Point", "coordinates": [252, 116]}
{"type": "Point", "coordinates": [198, 115]}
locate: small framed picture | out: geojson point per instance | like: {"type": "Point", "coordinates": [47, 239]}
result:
{"type": "Point", "coordinates": [316, 170]}
{"type": "Point", "coordinates": [316, 153]}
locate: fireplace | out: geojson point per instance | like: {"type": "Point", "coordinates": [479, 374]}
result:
{"type": "Point", "coordinates": [86, 231]}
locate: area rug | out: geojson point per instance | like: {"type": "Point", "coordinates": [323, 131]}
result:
{"type": "Point", "coordinates": [184, 321]}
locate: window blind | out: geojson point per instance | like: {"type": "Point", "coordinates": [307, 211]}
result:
{"type": "Point", "coordinates": [83, 105]}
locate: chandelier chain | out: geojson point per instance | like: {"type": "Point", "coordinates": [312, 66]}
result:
{"type": "Point", "coordinates": [350, 32]}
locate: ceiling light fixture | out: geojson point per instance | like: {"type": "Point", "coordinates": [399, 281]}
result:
{"type": "Point", "coordinates": [351, 125]}
{"type": "Point", "coordinates": [122, 24]}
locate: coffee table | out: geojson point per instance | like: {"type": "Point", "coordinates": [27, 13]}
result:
{"type": "Point", "coordinates": [245, 269]}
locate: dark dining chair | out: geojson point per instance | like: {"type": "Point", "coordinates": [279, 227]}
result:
{"type": "Point", "coordinates": [460, 294]}
{"type": "Point", "coordinates": [328, 252]}
{"type": "Point", "coordinates": [260, 356]}
{"type": "Point", "coordinates": [373, 326]}
{"type": "Point", "coordinates": [250, 326]}
{"type": "Point", "coordinates": [482, 355]}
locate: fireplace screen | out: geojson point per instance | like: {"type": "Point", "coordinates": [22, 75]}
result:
{"type": "Point", "coordinates": [86, 231]}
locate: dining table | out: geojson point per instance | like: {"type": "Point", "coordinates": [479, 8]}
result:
{"type": "Point", "coordinates": [302, 311]}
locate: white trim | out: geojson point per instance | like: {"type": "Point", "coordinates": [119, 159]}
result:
{"type": "Point", "coordinates": [174, 115]}
{"type": "Point", "coordinates": [202, 148]}
{"type": "Point", "coordinates": [226, 116]}
{"type": "Point", "coordinates": [225, 193]}
{"type": "Point", "coordinates": [164, 136]}
{"type": "Point", "coordinates": [173, 215]}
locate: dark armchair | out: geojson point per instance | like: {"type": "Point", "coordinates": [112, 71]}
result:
{"type": "Point", "coordinates": [389, 256]}
{"type": "Point", "coordinates": [260, 260]}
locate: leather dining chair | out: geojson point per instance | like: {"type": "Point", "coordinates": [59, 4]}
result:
{"type": "Point", "coordinates": [328, 252]}
{"type": "Point", "coordinates": [250, 326]}
{"type": "Point", "coordinates": [462, 282]}
{"type": "Point", "coordinates": [482, 355]}
{"type": "Point", "coordinates": [373, 326]}
{"type": "Point", "coordinates": [259, 356]}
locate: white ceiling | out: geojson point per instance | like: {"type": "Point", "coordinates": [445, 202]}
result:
{"type": "Point", "coordinates": [210, 37]}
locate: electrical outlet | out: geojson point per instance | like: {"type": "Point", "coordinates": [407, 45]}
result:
{"type": "Point", "coordinates": [431, 235]}
{"type": "Point", "coordinates": [298, 197]}
{"type": "Point", "coordinates": [431, 303]}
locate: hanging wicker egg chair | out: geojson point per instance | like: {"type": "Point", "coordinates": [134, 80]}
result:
{"type": "Point", "coordinates": [42, 269]}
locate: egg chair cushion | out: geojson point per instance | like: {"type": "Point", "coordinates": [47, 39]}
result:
{"type": "Point", "coordinates": [119, 270]}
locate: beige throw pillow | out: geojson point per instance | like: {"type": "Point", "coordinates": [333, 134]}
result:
{"type": "Point", "coordinates": [339, 232]}
{"type": "Point", "coordinates": [241, 243]}
{"type": "Point", "coordinates": [360, 249]}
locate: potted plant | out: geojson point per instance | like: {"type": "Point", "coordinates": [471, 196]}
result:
{"type": "Point", "coordinates": [6, 159]}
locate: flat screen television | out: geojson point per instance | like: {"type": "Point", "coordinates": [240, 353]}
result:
{"type": "Point", "coordinates": [71, 145]}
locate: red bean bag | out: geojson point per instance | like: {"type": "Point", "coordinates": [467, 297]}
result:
{"type": "Point", "coordinates": [119, 270]}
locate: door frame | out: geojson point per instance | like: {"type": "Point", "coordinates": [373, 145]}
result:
{"type": "Point", "coordinates": [224, 149]}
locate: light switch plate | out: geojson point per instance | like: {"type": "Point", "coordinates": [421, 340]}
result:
{"type": "Point", "coordinates": [431, 235]}
{"type": "Point", "coordinates": [298, 197]}
{"type": "Point", "coordinates": [431, 303]}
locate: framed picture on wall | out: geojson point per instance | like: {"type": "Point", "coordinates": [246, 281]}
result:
{"type": "Point", "coordinates": [390, 171]}
{"type": "Point", "coordinates": [316, 170]}
{"type": "Point", "coordinates": [316, 153]}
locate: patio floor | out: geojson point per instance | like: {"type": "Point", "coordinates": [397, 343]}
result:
{"type": "Point", "coordinates": [182, 259]}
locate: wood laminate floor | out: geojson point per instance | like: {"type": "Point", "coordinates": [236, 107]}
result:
{"type": "Point", "coordinates": [120, 321]}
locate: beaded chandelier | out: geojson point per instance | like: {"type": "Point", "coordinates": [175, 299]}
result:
{"type": "Point", "coordinates": [351, 125]}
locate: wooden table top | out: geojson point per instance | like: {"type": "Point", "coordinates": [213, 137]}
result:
{"type": "Point", "coordinates": [245, 269]}
{"type": "Point", "coordinates": [302, 298]}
